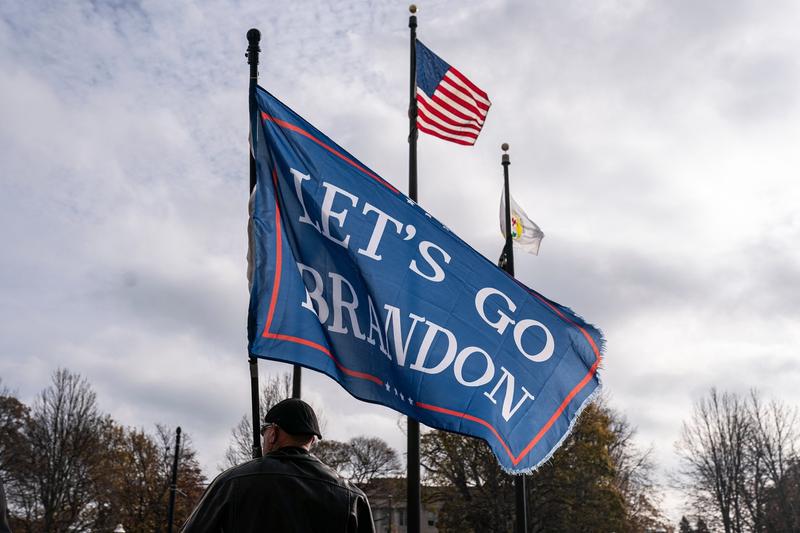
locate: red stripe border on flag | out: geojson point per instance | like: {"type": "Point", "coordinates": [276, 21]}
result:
{"type": "Point", "coordinates": [274, 299]}
{"type": "Point", "coordinates": [362, 375]}
{"type": "Point", "coordinates": [304, 133]}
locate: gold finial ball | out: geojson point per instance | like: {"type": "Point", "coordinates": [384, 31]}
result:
{"type": "Point", "coordinates": [504, 147]}
{"type": "Point", "coordinates": [412, 8]}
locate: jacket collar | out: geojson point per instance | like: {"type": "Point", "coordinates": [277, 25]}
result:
{"type": "Point", "coordinates": [289, 450]}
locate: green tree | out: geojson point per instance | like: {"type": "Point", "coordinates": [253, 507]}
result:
{"type": "Point", "coordinates": [576, 490]}
{"type": "Point", "coordinates": [475, 493]}
{"type": "Point", "coordinates": [596, 481]}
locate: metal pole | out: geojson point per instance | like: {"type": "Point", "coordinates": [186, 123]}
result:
{"type": "Point", "coordinates": [521, 523]}
{"type": "Point", "coordinates": [253, 38]}
{"type": "Point", "coordinates": [255, 407]}
{"type": "Point", "coordinates": [173, 486]}
{"type": "Point", "coordinates": [413, 499]}
{"type": "Point", "coordinates": [509, 266]}
{"type": "Point", "coordinates": [521, 503]}
{"type": "Point", "coordinates": [297, 377]}
{"type": "Point", "coordinates": [413, 133]}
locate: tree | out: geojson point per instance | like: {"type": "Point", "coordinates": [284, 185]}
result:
{"type": "Point", "coordinates": [334, 453]}
{"type": "Point", "coordinates": [360, 460]}
{"type": "Point", "coordinates": [13, 417]}
{"type": "Point", "coordinates": [475, 493]}
{"type": "Point", "coordinates": [578, 490]}
{"type": "Point", "coordinates": [190, 480]}
{"type": "Point", "coordinates": [370, 458]}
{"type": "Point", "coordinates": [70, 468]}
{"type": "Point", "coordinates": [240, 449]}
{"type": "Point", "coordinates": [783, 501]}
{"type": "Point", "coordinates": [684, 526]}
{"type": "Point", "coordinates": [60, 464]}
{"type": "Point", "coordinates": [736, 457]}
{"type": "Point", "coordinates": [713, 451]}
{"type": "Point", "coordinates": [134, 488]}
{"type": "Point", "coordinates": [634, 472]}
{"type": "Point", "coordinates": [772, 452]}
{"type": "Point", "coordinates": [596, 481]}
{"type": "Point", "coordinates": [137, 471]}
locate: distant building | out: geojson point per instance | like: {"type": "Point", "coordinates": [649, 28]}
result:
{"type": "Point", "coordinates": [387, 498]}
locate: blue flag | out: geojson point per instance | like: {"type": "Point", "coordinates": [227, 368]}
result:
{"type": "Point", "coordinates": [353, 279]}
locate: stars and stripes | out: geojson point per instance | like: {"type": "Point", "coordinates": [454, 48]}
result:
{"type": "Point", "coordinates": [450, 106]}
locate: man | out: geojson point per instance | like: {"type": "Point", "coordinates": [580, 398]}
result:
{"type": "Point", "coordinates": [287, 490]}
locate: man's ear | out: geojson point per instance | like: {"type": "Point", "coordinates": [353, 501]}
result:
{"type": "Point", "coordinates": [274, 436]}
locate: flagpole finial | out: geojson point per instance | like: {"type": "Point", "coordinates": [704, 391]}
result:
{"type": "Point", "coordinates": [253, 35]}
{"type": "Point", "coordinates": [253, 38]}
{"type": "Point", "coordinates": [506, 160]}
{"type": "Point", "coordinates": [412, 8]}
{"type": "Point", "coordinates": [504, 147]}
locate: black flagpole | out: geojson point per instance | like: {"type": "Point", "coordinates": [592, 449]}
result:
{"type": "Point", "coordinates": [173, 486]}
{"type": "Point", "coordinates": [412, 463]}
{"type": "Point", "coordinates": [519, 481]}
{"type": "Point", "coordinates": [509, 246]}
{"type": "Point", "coordinates": [297, 376]}
{"type": "Point", "coordinates": [253, 38]}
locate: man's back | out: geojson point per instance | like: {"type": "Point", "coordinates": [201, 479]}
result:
{"type": "Point", "coordinates": [285, 491]}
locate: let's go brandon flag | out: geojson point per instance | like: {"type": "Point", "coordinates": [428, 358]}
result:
{"type": "Point", "coordinates": [353, 279]}
{"type": "Point", "coordinates": [450, 106]}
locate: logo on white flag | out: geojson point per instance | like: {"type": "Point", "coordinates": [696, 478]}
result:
{"type": "Point", "coordinates": [524, 232]}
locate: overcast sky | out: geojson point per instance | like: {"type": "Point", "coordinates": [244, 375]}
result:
{"type": "Point", "coordinates": [654, 142]}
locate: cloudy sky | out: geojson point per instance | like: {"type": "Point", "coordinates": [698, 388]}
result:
{"type": "Point", "coordinates": [655, 143]}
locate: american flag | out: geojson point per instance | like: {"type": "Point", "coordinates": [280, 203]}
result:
{"type": "Point", "coordinates": [449, 105]}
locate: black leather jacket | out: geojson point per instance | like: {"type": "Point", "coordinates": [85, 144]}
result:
{"type": "Point", "coordinates": [288, 490]}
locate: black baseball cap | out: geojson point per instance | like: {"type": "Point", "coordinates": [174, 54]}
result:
{"type": "Point", "coordinates": [294, 416]}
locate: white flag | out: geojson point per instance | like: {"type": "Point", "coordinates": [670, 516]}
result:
{"type": "Point", "coordinates": [525, 234]}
